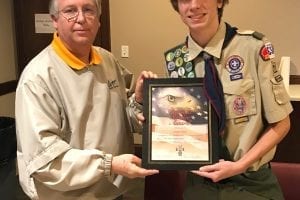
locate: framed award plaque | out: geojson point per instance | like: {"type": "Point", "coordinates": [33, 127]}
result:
{"type": "Point", "coordinates": [180, 127]}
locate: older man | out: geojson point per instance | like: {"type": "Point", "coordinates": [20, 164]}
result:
{"type": "Point", "coordinates": [73, 119]}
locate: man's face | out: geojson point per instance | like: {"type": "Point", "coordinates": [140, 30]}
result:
{"type": "Point", "coordinates": [199, 14]}
{"type": "Point", "coordinates": [77, 22]}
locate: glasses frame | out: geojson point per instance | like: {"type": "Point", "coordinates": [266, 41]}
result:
{"type": "Point", "coordinates": [88, 14]}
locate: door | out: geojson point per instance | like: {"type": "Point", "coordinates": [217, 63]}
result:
{"type": "Point", "coordinates": [29, 43]}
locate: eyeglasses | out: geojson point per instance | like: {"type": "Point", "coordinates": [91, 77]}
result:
{"type": "Point", "coordinates": [71, 13]}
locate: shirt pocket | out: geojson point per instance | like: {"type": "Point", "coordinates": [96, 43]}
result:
{"type": "Point", "coordinates": [280, 94]}
{"type": "Point", "coordinates": [240, 98]}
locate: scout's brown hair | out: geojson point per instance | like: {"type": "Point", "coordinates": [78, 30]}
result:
{"type": "Point", "coordinates": [220, 10]}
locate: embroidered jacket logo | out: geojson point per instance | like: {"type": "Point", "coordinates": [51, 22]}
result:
{"type": "Point", "coordinates": [112, 84]}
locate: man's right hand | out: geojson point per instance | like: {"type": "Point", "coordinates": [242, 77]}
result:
{"type": "Point", "coordinates": [129, 165]}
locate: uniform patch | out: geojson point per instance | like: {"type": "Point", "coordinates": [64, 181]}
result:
{"type": "Point", "coordinates": [179, 61]}
{"type": "Point", "coordinates": [174, 74]}
{"type": "Point", "coordinates": [241, 120]}
{"type": "Point", "coordinates": [234, 64]}
{"type": "Point", "coordinates": [178, 53]}
{"type": "Point", "coordinates": [186, 57]}
{"type": "Point", "coordinates": [278, 78]}
{"type": "Point", "coordinates": [235, 77]}
{"type": "Point", "coordinates": [270, 49]}
{"type": "Point", "coordinates": [184, 49]}
{"type": "Point", "coordinates": [170, 56]}
{"type": "Point", "coordinates": [274, 66]}
{"type": "Point", "coordinates": [171, 66]}
{"type": "Point", "coordinates": [267, 51]}
{"type": "Point", "coordinates": [191, 75]}
{"type": "Point", "coordinates": [189, 66]}
{"type": "Point", "coordinates": [181, 71]}
{"type": "Point", "coordinates": [239, 105]}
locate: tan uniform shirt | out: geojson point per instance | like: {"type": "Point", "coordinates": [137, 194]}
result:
{"type": "Point", "coordinates": [253, 88]}
{"type": "Point", "coordinates": [70, 122]}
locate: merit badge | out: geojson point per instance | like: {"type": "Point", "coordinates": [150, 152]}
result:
{"type": "Point", "coordinates": [179, 61]}
{"type": "Point", "coordinates": [191, 75]}
{"type": "Point", "coordinates": [181, 71]}
{"type": "Point", "coordinates": [177, 53]}
{"type": "Point", "coordinates": [184, 49]}
{"type": "Point", "coordinates": [239, 105]}
{"type": "Point", "coordinates": [189, 66]}
{"type": "Point", "coordinates": [186, 57]}
{"type": "Point", "coordinates": [170, 56]}
{"type": "Point", "coordinates": [171, 66]}
{"type": "Point", "coordinates": [174, 74]}
{"type": "Point", "coordinates": [234, 64]}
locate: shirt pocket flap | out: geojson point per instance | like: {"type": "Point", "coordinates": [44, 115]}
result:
{"type": "Point", "coordinates": [279, 91]}
{"type": "Point", "coordinates": [238, 87]}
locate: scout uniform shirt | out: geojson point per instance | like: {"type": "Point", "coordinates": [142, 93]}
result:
{"type": "Point", "coordinates": [71, 119]}
{"type": "Point", "coordinates": [252, 85]}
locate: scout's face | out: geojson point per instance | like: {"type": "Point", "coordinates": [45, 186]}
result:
{"type": "Point", "coordinates": [199, 14]}
{"type": "Point", "coordinates": [77, 22]}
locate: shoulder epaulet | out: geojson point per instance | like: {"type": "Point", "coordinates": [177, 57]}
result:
{"type": "Point", "coordinates": [255, 34]}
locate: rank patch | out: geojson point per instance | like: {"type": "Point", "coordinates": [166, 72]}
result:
{"type": "Point", "coordinates": [239, 105]}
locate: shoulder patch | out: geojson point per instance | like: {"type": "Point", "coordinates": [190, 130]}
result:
{"type": "Point", "coordinates": [267, 51]}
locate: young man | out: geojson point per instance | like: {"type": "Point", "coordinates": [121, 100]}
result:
{"type": "Point", "coordinates": [72, 115]}
{"type": "Point", "coordinates": [253, 103]}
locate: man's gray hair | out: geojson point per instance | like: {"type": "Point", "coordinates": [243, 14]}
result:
{"type": "Point", "coordinates": [53, 7]}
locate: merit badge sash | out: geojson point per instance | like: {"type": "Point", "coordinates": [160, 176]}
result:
{"type": "Point", "coordinates": [177, 62]}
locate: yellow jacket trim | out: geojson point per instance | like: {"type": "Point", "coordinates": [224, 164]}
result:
{"type": "Point", "coordinates": [70, 58]}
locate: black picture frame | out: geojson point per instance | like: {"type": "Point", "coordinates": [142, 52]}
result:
{"type": "Point", "coordinates": [180, 127]}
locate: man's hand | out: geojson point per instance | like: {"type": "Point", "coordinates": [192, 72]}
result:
{"type": "Point", "coordinates": [140, 83]}
{"type": "Point", "coordinates": [129, 165]}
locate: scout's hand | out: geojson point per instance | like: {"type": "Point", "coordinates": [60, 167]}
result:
{"type": "Point", "coordinates": [219, 171]}
{"type": "Point", "coordinates": [140, 83]}
{"type": "Point", "coordinates": [129, 165]}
